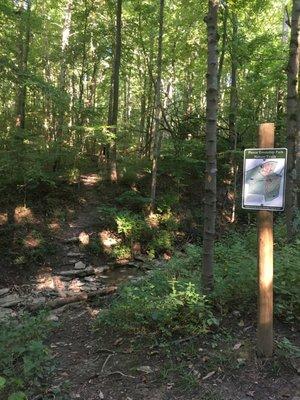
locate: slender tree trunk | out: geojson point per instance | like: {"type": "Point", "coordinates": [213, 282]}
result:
{"type": "Point", "coordinates": [223, 44]}
{"type": "Point", "coordinates": [114, 103]}
{"type": "Point", "coordinates": [63, 64]}
{"type": "Point", "coordinates": [280, 97]}
{"type": "Point", "coordinates": [157, 108]}
{"type": "Point", "coordinates": [80, 118]}
{"type": "Point", "coordinates": [23, 47]}
{"type": "Point", "coordinates": [142, 116]}
{"type": "Point", "coordinates": [127, 98]}
{"type": "Point", "coordinates": [150, 120]}
{"type": "Point", "coordinates": [293, 122]}
{"type": "Point", "coordinates": [233, 114]}
{"type": "Point", "coordinates": [210, 196]}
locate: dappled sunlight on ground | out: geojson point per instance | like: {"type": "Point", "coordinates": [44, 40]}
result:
{"type": "Point", "coordinates": [24, 214]}
{"type": "Point", "coordinates": [108, 239]}
{"type": "Point", "coordinates": [52, 283]}
{"type": "Point", "coordinates": [153, 220]}
{"type": "Point", "coordinates": [84, 238]}
{"type": "Point", "coordinates": [91, 179]}
{"type": "Point", "coordinates": [31, 242]}
{"type": "Point", "coordinates": [93, 312]}
{"type": "Point", "coordinates": [75, 285]}
{"type": "Point", "coordinates": [54, 226]}
{"type": "Point", "coordinates": [3, 218]}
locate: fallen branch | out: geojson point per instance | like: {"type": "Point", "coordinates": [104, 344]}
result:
{"type": "Point", "coordinates": [61, 301]}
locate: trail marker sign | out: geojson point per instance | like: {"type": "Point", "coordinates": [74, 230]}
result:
{"type": "Point", "coordinates": [264, 179]}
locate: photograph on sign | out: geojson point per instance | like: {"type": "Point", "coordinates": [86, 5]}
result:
{"type": "Point", "coordinates": [264, 179]}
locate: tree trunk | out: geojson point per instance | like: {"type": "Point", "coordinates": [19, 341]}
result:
{"type": "Point", "coordinates": [232, 115]}
{"type": "Point", "coordinates": [114, 103]}
{"type": "Point", "coordinates": [80, 117]}
{"type": "Point", "coordinates": [157, 108]}
{"type": "Point", "coordinates": [142, 115]}
{"type": "Point", "coordinates": [223, 44]}
{"type": "Point", "coordinates": [211, 145]}
{"type": "Point", "coordinates": [63, 64]}
{"type": "Point", "coordinates": [24, 42]}
{"type": "Point", "coordinates": [293, 122]}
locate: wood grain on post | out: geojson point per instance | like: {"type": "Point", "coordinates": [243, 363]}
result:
{"type": "Point", "coordinates": [265, 260]}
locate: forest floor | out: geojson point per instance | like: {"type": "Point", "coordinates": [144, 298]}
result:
{"type": "Point", "coordinates": [91, 364]}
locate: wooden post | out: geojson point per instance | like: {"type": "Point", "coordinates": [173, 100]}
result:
{"type": "Point", "coordinates": [265, 261]}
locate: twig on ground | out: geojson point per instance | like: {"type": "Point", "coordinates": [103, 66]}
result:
{"type": "Point", "coordinates": [106, 361]}
{"type": "Point", "coordinates": [105, 350]}
{"type": "Point", "coordinates": [120, 373]}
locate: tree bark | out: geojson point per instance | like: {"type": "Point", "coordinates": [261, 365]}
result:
{"type": "Point", "coordinates": [63, 63]}
{"type": "Point", "coordinates": [233, 114]}
{"type": "Point", "coordinates": [80, 118]}
{"type": "Point", "coordinates": [114, 104]}
{"type": "Point", "coordinates": [293, 123]}
{"type": "Point", "coordinates": [210, 195]}
{"type": "Point", "coordinates": [24, 43]}
{"type": "Point", "coordinates": [157, 108]}
{"type": "Point", "coordinates": [142, 116]}
{"type": "Point", "coordinates": [223, 44]}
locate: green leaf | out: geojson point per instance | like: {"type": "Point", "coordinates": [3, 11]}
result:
{"type": "Point", "coordinates": [18, 396]}
{"type": "Point", "coordinates": [2, 382]}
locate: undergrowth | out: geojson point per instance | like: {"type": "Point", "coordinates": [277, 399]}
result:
{"type": "Point", "coordinates": [170, 301]}
{"type": "Point", "coordinates": [24, 357]}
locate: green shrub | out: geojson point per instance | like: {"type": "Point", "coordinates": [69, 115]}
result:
{"type": "Point", "coordinates": [168, 302]}
{"type": "Point", "coordinates": [24, 358]}
{"type": "Point", "coordinates": [167, 202]}
{"type": "Point", "coordinates": [107, 212]}
{"type": "Point", "coordinates": [133, 169]}
{"type": "Point", "coordinates": [121, 252]}
{"type": "Point", "coordinates": [235, 271]}
{"type": "Point", "coordinates": [236, 275]}
{"type": "Point", "coordinates": [132, 200]}
{"type": "Point", "coordinates": [163, 240]}
{"type": "Point", "coordinates": [287, 282]}
{"type": "Point", "coordinates": [129, 224]}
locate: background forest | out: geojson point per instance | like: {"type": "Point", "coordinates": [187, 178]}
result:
{"type": "Point", "coordinates": [123, 125]}
{"type": "Point", "coordinates": [56, 69]}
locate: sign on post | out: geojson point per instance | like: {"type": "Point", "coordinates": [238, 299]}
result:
{"type": "Point", "coordinates": [264, 191]}
{"type": "Point", "coordinates": [264, 179]}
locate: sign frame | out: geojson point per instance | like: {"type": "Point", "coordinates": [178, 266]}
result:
{"type": "Point", "coordinates": [266, 154]}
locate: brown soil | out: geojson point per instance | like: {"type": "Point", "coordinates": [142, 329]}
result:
{"type": "Point", "coordinates": [112, 367]}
